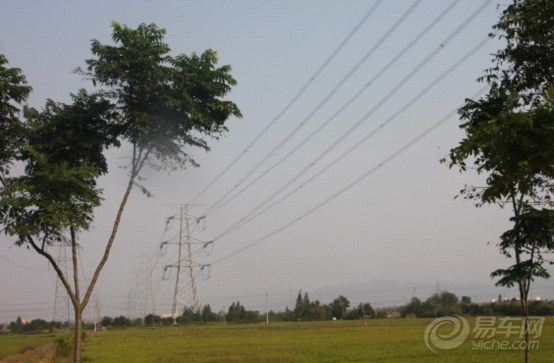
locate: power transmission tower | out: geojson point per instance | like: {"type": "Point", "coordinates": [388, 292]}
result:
{"type": "Point", "coordinates": [185, 265]}
{"type": "Point", "coordinates": [61, 299]}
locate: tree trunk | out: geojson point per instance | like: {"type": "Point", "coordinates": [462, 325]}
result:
{"type": "Point", "coordinates": [78, 334]}
{"type": "Point", "coordinates": [525, 311]}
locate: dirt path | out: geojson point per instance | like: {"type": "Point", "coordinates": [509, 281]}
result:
{"type": "Point", "coordinates": [43, 354]}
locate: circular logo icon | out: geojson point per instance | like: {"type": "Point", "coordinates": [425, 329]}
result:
{"type": "Point", "coordinates": [454, 331]}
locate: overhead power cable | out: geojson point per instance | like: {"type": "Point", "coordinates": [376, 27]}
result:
{"type": "Point", "coordinates": [216, 205]}
{"type": "Point", "coordinates": [410, 44]}
{"type": "Point", "coordinates": [294, 98]}
{"type": "Point", "coordinates": [251, 216]}
{"type": "Point", "coordinates": [349, 186]}
{"type": "Point", "coordinates": [383, 100]}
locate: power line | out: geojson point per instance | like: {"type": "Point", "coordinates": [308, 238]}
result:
{"type": "Point", "coordinates": [349, 186]}
{"type": "Point", "coordinates": [295, 98]}
{"type": "Point", "coordinates": [320, 105]}
{"type": "Point", "coordinates": [338, 112]}
{"type": "Point", "coordinates": [383, 100]}
{"type": "Point", "coordinates": [246, 219]}
{"type": "Point", "coordinates": [17, 264]}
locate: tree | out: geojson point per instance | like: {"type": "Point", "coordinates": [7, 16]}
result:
{"type": "Point", "coordinates": [13, 96]}
{"type": "Point", "coordinates": [106, 321]}
{"type": "Point", "coordinates": [414, 307]}
{"type": "Point", "coordinates": [157, 104]}
{"type": "Point", "coordinates": [362, 311]}
{"type": "Point", "coordinates": [151, 320]}
{"type": "Point", "coordinates": [121, 322]}
{"type": "Point", "coordinates": [299, 307]}
{"type": "Point", "coordinates": [338, 306]}
{"type": "Point", "coordinates": [207, 315]}
{"type": "Point", "coordinates": [508, 137]}
{"type": "Point", "coordinates": [465, 300]}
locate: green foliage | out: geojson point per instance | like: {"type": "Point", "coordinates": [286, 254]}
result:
{"type": "Point", "coordinates": [508, 137]}
{"type": "Point", "coordinates": [439, 304]}
{"type": "Point", "coordinates": [362, 311]}
{"type": "Point", "coordinates": [526, 63]}
{"type": "Point", "coordinates": [34, 326]}
{"type": "Point", "coordinates": [159, 104]}
{"type": "Point", "coordinates": [208, 316]}
{"type": "Point", "coordinates": [151, 320]}
{"type": "Point", "coordinates": [106, 321]}
{"type": "Point", "coordinates": [64, 347]}
{"type": "Point", "coordinates": [338, 307]}
{"type": "Point", "coordinates": [306, 310]}
{"type": "Point", "coordinates": [413, 308]}
{"type": "Point", "coordinates": [191, 316]}
{"type": "Point", "coordinates": [238, 314]}
{"type": "Point", "coordinates": [533, 234]}
{"type": "Point", "coordinates": [13, 95]}
{"type": "Point", "coordinates": [166, 103]}
{"type": "Point", "coordinates": [121, 322]}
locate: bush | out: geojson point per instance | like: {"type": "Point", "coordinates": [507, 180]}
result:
{"type": "Point", "coordinates": [64, 347]}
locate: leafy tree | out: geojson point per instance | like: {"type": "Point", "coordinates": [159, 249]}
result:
{"type": "Point", "coordinates": [121, 322]}
{"type": "Point", "coordinates": [106, 321]}
{"type": "Point", "coordinates": [158, 104]}
{"type": "Point", "coordinates": [207, 315]}
{"type": "Point", "coordinates": [338, 306]}
{"type": "Point", "coordinates": [238, 314]}
{"type": "Point", "coordinates": [13, 96]}
{"type": "Point", "coordinates": [362, 311]}
{"type": "Point", "coordinates": [299, 307]}
{"type": "Point", "coordinates": [190, 315]}
{"type": "Point", "coordinates": [151, 320]}
{"type": "Point", "coordinates": [414, 307]}
{"type": "Point", "coordinates": [508, 137]}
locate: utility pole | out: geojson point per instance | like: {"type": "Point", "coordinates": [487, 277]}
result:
{"type": "Point", "coordinates": [437, 299]}
{"type": "Point", "coordinates": [363, 315]}
{"type": "Point", "coordinates": [96, 313]}
{"type": "Point", "coordinates": [185, 265]}
{"type": "Point", "coordinates": [266, 312]}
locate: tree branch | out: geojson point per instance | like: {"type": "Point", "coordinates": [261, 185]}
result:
{"type": "Point", "coordinates": [137, 166]}
{"type": "Point", "coordinates": [56, 267]}
{"type": "Point", "coordinates": [75, 263]}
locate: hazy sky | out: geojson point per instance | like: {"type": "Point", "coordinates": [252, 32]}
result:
{"type": "Point", "coordinates": [366, 218]}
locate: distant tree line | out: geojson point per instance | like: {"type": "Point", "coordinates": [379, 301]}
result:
{"type": "Point", "coordinates": [33, 326]}
{"type": "Point", "coordinates": [436, 305]}
{"type": "Point", "coordinates": [339, 308]}
{"type": "Point", "coordinates": [447, 303]}
{"type": "Point", "coordinates": [304, 310]}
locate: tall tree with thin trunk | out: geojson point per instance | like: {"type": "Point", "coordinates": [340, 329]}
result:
{"type": "Point", "coordinates": [509, 137]}
{"type": "Point", "coordinates": [157, 104]}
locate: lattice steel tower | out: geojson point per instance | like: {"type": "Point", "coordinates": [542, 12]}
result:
{"type": "Point", "coordinates": [185, 280]}
{"type": "Point", "coordinates": [61, 299]}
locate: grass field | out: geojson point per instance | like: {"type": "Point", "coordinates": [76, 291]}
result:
{"type": "Point", "coordinates": [11, 344]}
{"type": "Point", "coordinates": [394, 340]}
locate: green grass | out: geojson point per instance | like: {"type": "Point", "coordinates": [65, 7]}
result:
{"type": "Point", "coordinates": [392, 340]}
{"type": "Point", "coordinates": [11, 344]}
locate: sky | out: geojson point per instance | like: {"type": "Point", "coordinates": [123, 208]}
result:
{"type": "Point", "coordinates": [364, 203]}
